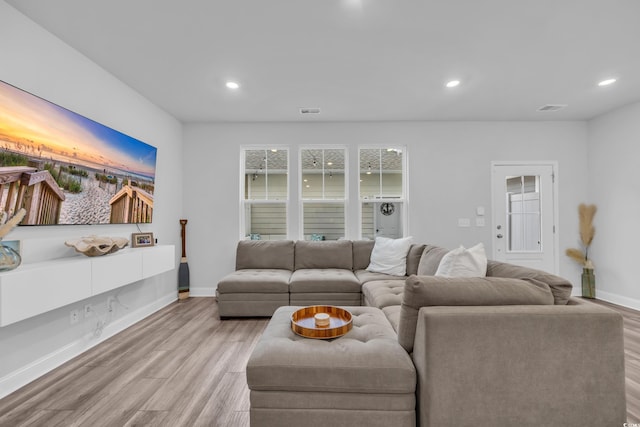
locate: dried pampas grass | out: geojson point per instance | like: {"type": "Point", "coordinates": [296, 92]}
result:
{"type": "Point", "coordinates": [587, 230]}
{"type": "Point", "coordinates": [576, 254]}
{"type": "Point", "coordinates": [8, 226]}
{"type": "Point", "coordinates": [586, 213]}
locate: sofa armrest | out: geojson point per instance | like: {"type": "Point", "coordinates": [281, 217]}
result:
{"type": "Point", "coordinates": [520, 365]}
{"type": "Point", "coordinates": [426, 291]}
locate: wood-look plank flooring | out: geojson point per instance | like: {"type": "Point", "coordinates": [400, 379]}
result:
{"type": "Point", "coordinates": [182, 366]}
{"type": "Point", "coordinates": [631, 358]}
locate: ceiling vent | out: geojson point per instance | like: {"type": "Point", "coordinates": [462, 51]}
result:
{"type": "Point", "coordinates": [309, 111]}
{"type": "Point", "coordinates": [552, 107]}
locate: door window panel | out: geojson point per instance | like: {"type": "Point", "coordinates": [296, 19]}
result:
{"type": "Point", "coordinates": [523, 214]}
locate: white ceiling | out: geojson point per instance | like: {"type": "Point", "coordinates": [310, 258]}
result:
{"type": "Point", "coordinates": [360, 59]}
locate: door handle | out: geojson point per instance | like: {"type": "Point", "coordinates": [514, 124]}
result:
{"type": "Point", "coordinates": [499, 236]}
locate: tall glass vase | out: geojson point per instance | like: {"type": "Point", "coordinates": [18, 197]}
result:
{"type": "Point", "coordinates": [9, 259]}
{"type": "Point", "coordinates": [588, 283]}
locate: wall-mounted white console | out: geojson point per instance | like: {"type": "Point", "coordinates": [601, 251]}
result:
{"type": "Point", "coordinates": [33, 289]}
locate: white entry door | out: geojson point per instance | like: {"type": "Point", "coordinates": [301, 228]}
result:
{"type": "Point", "coordinates": [524, 215]}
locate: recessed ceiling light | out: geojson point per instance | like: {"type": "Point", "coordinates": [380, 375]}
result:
{"type": "Point", "coordinates": [452, 83]}
{"type": "Point", "coordinates": [232, 85]}
{"type": "Point", "coordinates": [329, 163]}
{"type": "Point", "coordinates": [607, 82]}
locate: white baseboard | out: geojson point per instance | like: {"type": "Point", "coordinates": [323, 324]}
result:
{"type": "Point", "coordinates": [202, 292]}
{"type": "Point", "coordinates": [34, 370]}
{"type": "Point", "coordinates": [618, 299]}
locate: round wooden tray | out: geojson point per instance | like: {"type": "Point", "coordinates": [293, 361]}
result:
{"type": "Point", "coordinates": [303, 322]}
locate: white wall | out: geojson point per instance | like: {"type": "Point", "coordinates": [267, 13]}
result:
{"type": "Point", "coordinates": [614, 153]}
{"type": "Point", "coordinates": [449, 176]}
{"type": "Point", "coordinates": [34, 60]}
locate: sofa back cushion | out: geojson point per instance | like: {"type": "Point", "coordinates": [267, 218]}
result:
{"type": "Point", "coordinates": [425, 291]}
{"type": "Point", "coordinates": [265, 254]}
{"type": "Point", "coordinates": [560, 287]}
{"type": "Point", "coordinates": [430, 260]}
{"type": "Point", "coordinates": [327, 254]}
{"type": "Point", "coordinates": [413, 258]}
{"type": "Point", "coordinates": [362, 254]}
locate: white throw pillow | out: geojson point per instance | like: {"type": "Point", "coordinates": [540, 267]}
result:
{"type": "Point", "coordinates": [390, 256]}
{"type": "Point", "coordinates": [463, 262]}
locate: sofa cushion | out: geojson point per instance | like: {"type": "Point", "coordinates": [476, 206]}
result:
{"type": "Point", "coordinates": [315, 280]}
{"type": "Point", "coordinates": [255, 280]}
{"type": "Point", "coordinates": [424, 291]}
{"type": "Point", "coordinates": [390, 256]}
{"type": "Point", "coordinates": [365, 276]}
{"type": "Point", "coordinates": [413, 258]}
{"type": "Point", "coordinates": [324, 254]}
{"type": "Point", "coordinates": [367, 359]}
{"type": "Point", "coordinates": [463, 262]}
{"type": "Point", "coordinates": [362, 253]}
{"type": "Point", "coordinates": [560, 287]}
{"type": "Point", "coordinates": [267, 254]}
{"type": "Point", "coordinates": [383, 293]}
{"type": "Point", "coordinates": [430, 260]}
{"type": "Point", "coordinates": [393, 315]}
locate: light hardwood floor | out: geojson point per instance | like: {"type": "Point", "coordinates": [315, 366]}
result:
{"type": "Point", "coordinates": [182, 366]}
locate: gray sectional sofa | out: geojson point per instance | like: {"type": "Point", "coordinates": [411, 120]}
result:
{"type": "Point", "coordinates": [511, 348]}
{"type": "Point", "coordinates": [270, 274]}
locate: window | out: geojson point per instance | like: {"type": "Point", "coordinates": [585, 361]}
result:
{"type": "Point", "coordinates": [382, 192]}
{"type": "Point", "coordinates": [523, 213]}
{"type": "Point", "coordinates": [265, 193]}
{"type": "Point", "coordinates": [323, 193]}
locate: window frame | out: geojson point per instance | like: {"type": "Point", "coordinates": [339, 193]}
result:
{"type": "Point", "coordinates": [244, 201]}
{"type": "Point", "coordinates": [302, 200]}
{"type": "Point", "coordinates": [404, 197]}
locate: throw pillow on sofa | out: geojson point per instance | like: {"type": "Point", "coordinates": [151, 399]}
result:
{"type": "Point", "coordinates": [389, 256]}
{"type": "Point", "coordinates": [462, 262]}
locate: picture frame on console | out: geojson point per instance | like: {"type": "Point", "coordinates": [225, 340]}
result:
{"type": "Point", "coordinates": [141, 240]}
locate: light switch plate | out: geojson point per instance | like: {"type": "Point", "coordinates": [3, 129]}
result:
{"type": "Point", "coordinates": [464, 222]}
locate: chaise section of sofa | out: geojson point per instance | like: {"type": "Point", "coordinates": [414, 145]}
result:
{"type": "Point", "coordinates": [501, 351]}
{"type": "Point", "coordinates": [535, 365]}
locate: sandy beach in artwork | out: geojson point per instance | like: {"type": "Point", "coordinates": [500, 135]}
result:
{"type": "Point", "coordinates": [91, 206]}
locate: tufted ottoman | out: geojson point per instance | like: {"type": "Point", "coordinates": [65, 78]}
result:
{"type": "Point", "coordinates": [364, 378]}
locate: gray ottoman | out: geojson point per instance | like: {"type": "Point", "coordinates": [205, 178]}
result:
{"type": "Point", "coordinates": [364, 378]}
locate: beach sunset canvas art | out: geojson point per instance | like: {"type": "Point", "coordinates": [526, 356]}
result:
{"type": "Point", "coordinates": [64, 168]}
